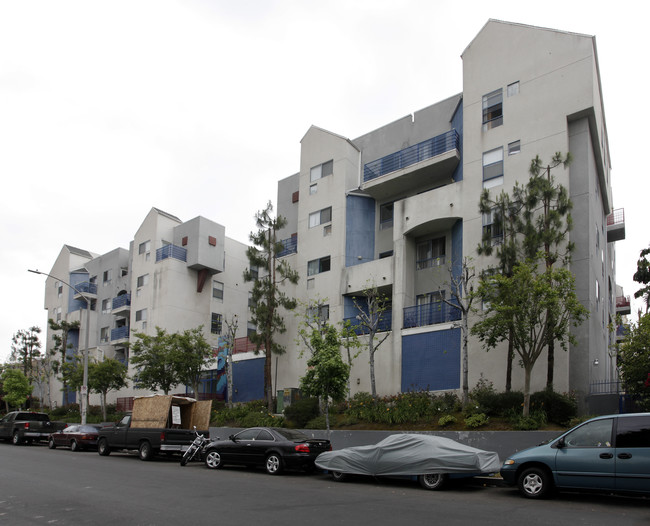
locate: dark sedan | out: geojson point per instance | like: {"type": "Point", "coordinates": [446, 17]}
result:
{"type": "Point", "coordinates": [273, 448]}
{"type": "Point", "coordinates": [76, 437]}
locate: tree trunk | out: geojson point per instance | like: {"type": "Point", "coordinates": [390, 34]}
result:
{"type": "Point", "coordinates": [510, 357]}
{"type": "Point", "coordinates": [465, 361]}
{"type": "Point", "coordinates": [229, 377]}
{"type": "Point", "coordinates": [527, 371]}
{"type": "Point", "coordinates": [551, 352]}
{"type": "Point", "coordinates": [373, 389]}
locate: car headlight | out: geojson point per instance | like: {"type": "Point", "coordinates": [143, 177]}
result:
{"type": "Point", "coordinates": [509, 462]}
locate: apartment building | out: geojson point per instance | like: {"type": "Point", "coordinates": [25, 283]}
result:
{"type": "Point", "coordinates": [397, 208]}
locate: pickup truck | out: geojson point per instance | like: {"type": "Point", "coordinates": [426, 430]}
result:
{"type": "Point", "coordinates": [159, 423]}
{"type": "Point", "coordinates": [26, 426]}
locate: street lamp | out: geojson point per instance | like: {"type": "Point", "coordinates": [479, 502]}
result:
{"type": "Point", "coordinates": [84, 387]}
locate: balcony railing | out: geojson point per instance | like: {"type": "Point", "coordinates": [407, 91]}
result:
{"type": "Point", "coordinates": [385, 323]}
{"type": "Point", "coordinates": [122, 301]}
{"type": "Point", "coordinates": [430, 314]}
{"type": "Point", "coordinates": [623, 305]}
{"type": "Point", "coordinates": [120, 333]}
{"type": "Point", "coordinates": [616, 217]}
{"type": "Point", "coordinates": [86, 287]}
{"type": "Point", "coordinates": [290, 246]}
{"type": "Point", "coordinates": [413, 154]}
{"type": "Point", "coordinates": [171, 251]}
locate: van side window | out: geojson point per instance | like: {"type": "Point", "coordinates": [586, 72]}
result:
{"type": "Point", "coordinates": [633, 432]}
{"type": "Point", "coordinates": [592, 434]}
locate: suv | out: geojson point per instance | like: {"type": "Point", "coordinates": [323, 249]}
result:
{"type": "Point", "coordinates": [607, 453]}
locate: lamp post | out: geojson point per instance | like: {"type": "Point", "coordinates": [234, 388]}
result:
{"type": "Point", "coordinates": [84, 387]}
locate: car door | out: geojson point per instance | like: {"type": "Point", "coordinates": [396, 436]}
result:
{"type": "Point", "coordinates": [242, 449]}
{"type": "Point", "coordinates": [586, 457]}
{"type": "Point", "coordinates": [633, 453]}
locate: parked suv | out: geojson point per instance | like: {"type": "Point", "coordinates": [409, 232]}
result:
{"type": "Point", "coordinates": [607, 453]}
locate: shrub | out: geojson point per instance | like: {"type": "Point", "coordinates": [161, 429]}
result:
{"type": "Point", "coordinates": [534, 420]}
{"type": "Point", "coordinates": [476, 420]}
{"type": "Point", "coordinates": [302, 411]}
{"type": "Point", "coordinates": [318, 423]}
{"type": "Point", "coordinates": [559, 408]}
{"type": "Point", "coordinates": [446, 420]}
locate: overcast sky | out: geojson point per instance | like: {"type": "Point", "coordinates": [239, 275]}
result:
{"type": "Point", "coordinates": [198, 107]}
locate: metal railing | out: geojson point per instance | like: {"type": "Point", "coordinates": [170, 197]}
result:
{"type": "Point", "coordinates": [606, 387]}
{"type": "Point", "coordinates": [622, 301]}
{"type": "Point", "coordinates": [413, 154]}
{"type": "Point", "coordinates": [87, 287]}
{"type": "Point", "coordinates": [121, 301]}
{"type": "Point", "coordinates": [616, 217]}
{"type": "Point", "coordinates": [120, 333]}
{"type": "Point", "coordinates": [385, 323]}
{"type": "Point", "coordinates": [430, 314]}
{"type": "Point", "coordinates": [171, 251]}
{"type": "Point", "coordinates": [290, 246]}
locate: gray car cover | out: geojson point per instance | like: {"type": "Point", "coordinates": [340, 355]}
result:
{"type": "Point", "coordinates": [407, 454]}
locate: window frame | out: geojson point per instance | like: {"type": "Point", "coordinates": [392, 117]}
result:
{"type": "Point", "coordinates": [318, 172]}
{"type": "Point", "coordinates": [492, 107]}
{"type": "Point", "coordinates": [320, 217]}
{"type": "Point", "coordinates": [492, 176]}
{"type": "Point", "coordinates": [319, 265]}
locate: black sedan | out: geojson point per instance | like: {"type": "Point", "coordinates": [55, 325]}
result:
{"type": "Point", "coordinates": [76, 437]}
{"type": "Point", "coordinates": [273, 448]}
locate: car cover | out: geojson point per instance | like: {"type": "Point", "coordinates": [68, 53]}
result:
{"type": "Point", "coordinates": [409, 454]}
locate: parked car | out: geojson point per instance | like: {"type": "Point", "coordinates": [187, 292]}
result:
{"type": "Point", "coordinates": [432, 459]}
{"type": "Point", "coordinates": [27, 426]}
{"type": "Point", "coordinates": [607, 453]}
{"type": "Point", "coordinates": [76, 437]}
{"type": "Point", "coordinates": [273, 448]}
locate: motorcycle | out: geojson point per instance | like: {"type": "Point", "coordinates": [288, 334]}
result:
{"type": "Point", "coordinates": [197, 445]}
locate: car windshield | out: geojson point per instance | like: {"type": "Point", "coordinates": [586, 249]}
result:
{"type": "Point", "coordinates": [87, 429]}
{"type": "Point", "coordinates": [292, 434]}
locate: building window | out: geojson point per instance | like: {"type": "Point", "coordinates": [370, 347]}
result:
{"type": "Point", "coordinates": [386, 216]}
{"type": "Point", "coordinates": [316, 266]}
{"type": "Point", "coordinates": [493, 168]}
{"type": "Point", "coordinates": [58, 314]}
{"type": "Point", "coordinates": [217, 290]}
{"type": "Point", "coordinates": [311, 282]}
{"type": "Point", "coordinates": [254, 272]}
{"type": "Point", "coordinates": [141, 315]}
{"type": "Point", "coordinates": [108, 277]}
{"type": "Point", "coordinates": [320, 313]}
{"type": "Point", "coordinates": [144, 248]}
{"type": "Point", "coordinates": [514, 148]}
{"type": "Point", "coordinates": [322, 170]}
{"type": "Point", "coordinates": [251, 303]}
{"type": "Point", "coordinates": [513, 89]}
{"type": "Point", "coordinates": [430, 253]}
{"type": "Point", "coordinates": [142, 280]}
{"type": "Point", "coordinates": [493, 109]}
{"type": "Point", "coordinates": [313, 189]}
{"type": "Point", "coordinates": [386, 254]}
{"type": "Point", "coordinates": [295, 197]}
{"type": "Point", "coordinates": [104, 335]}
{"type": "Point", "coordinates": [215, 323]}
{"type": "Point", "coordinates": [327, 230]}
{"type": "Point", "coordinates": [59, 288]}
{"type": "Point", "coordinates": [106, 306]}
{"type": "Point", "coordinates": [250, 329]}
{"type": "Point", "coordinates": [124, 271]}
{"type": "Point", "coordinates": [320, 217]}
{"type": "Point", "coordinates": [492, 229]}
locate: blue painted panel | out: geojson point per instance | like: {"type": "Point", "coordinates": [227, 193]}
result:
{"type": "Point", "coordinates": [431, 361]}
{"type": "Point", "coordinates": [248, 380]}
{"type": "Point", "coordinates": [75, 279]}
{"type": "Point", "coordinates": [73, 344]}
{"type": "Point", "coordinates": [359, 230]}
{"type": "Point", "coordinates": [457, 124]}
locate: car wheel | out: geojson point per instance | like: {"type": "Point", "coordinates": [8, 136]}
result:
{"type": "Point", "coordinates": [432, 481]}
{"type": "Point", "coordinates": [145, 452]}
{"type": "Point", "coordinates": [74, 446]}
{"type": "Point", "coordinates": [534, 483]}
{"type": "Point", "coordinates": [51, 444]}
{"type": "Point", "coordinates": [213, 459]}
{"type": "Point", "coordinates": [273, 464]}
{"type": "Point", "coordinates": [102, 447]}
{"type": "Point", "coordinates": [15, 439]}
{"type": "Point", "coordinates": [338, 476]}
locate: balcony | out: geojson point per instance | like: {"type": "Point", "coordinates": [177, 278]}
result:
{"type": "Point", "coordinates": [171, 251]}
{"type": "Point", "coordinates": [616, 225]}
{"type": "Point", "coordinates": [423, 165]}
{"type": "Point", "coordinates": [119, 334]}
{"type": "Point", "coordinates": [121, 305]}
{"type": "Point", "coordinates": [289, 246]}
{"type": "Point", "coordinates": [385, 323]}
{"type": "Point", "coordinates": [85, 289]}
{"type": "Point", "coordinates": [623, 305]}
{"type": "Point", "coordinates": [430, 314]}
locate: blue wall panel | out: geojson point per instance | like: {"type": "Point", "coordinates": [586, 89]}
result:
{"type": "Point", "coordinates": [73, 304]}
{"type": "Point", "coordinates": [248, 380]}
{"type": "Point", "coordinates": [457, 249]}
{"type": "Point", "coordinates": [431, 361]}
{"type": "Point", "coordinates": [359, 230]}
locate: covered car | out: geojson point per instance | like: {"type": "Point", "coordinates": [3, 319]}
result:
{"type": "Point", "coordinates": [430, 458]}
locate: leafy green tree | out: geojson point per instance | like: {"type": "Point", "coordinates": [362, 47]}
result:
{"type": "Point", "coordinates": [634, 360]}
{"type": "Point", "coordinates": [327, 373]}
{"type": "Point", "coordinates": [522, 302]}
{"type": "Point", "coordinates": [105, 376]}
{"type": "Point", "coordinates": [16, 387]}
{"type": "Point", "coordinates": [268, 273]}
{"type": "Point", "coordinates": [192, 354]}
{"type": "Point", "coordinates": [154, 358]}
{"type": "Point", "coordinates": [26, 348]}
{"type": "Point", "coordinates": [642, 276]}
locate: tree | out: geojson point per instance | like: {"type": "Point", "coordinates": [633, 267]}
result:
{"type": "Point", "coordinates": [61, 347]}
{"type": "Point", "coordinates": [193, 353]}
{"type": "Point", "coordinates": [522, 301]}
{"type": "Point", "coordinates": [267, 296]}
{"type": "Point", "coordinates": [462, 294]}
{"type": "Point", "coordinates": [16, 387]}
{"type": "Point", "coordinates": [105, 376]}
{"type": "Point", "coordinates": [26, 348]}
{"type": "Point", "coordinates": [327, 374]}
{"type": "Point", "coordinates": [154, 358]}
{"type": "Point", "coordinates": [642, 276]}
{"type": "Point", "coordinates": [371, 309]}
{"type": "Point", "coordinates": [229, 339]}
{"type": "Point", "coordinates": [634, 360]}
